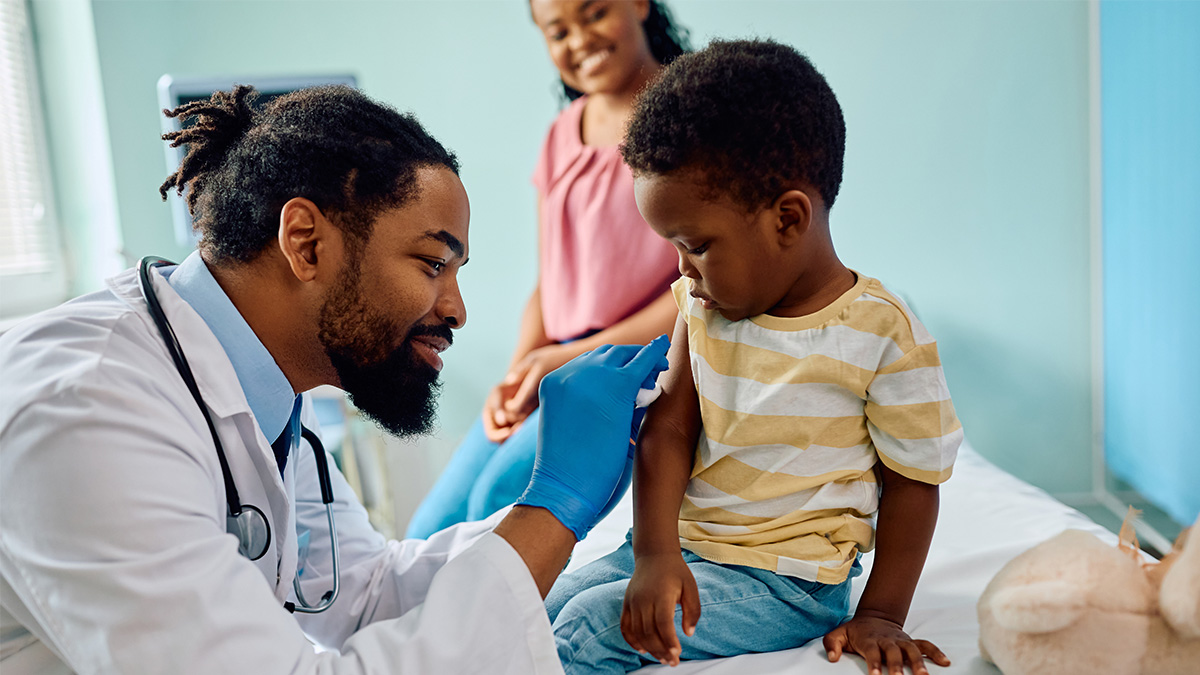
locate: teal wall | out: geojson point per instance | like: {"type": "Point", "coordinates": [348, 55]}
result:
{"type": "Point", "coordinates": [966, 183]}
{"type": "Point", "coordinates": [1150, 64]}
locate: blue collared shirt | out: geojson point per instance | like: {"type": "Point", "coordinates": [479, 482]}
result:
{"type": "Point", "coordinates": [267, 389]}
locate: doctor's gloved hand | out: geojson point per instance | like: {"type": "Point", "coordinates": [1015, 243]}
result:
{"type": "Point", "coordinates": [584, 436]}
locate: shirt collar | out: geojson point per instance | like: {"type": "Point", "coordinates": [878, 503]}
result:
{"type": "Point", "coordinates": [266, 388]}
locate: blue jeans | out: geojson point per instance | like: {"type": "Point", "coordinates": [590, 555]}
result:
{"type": "Point", "coordinates": [742, 610]}
{"type": "Point", "coordinates": [481, 478]}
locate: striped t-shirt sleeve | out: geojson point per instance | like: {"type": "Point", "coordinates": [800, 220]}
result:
{"type": "Point", "coordinates": [910, 417]}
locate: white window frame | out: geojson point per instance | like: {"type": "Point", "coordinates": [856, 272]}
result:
{"type": "Point", "coordinates": [23, 293]}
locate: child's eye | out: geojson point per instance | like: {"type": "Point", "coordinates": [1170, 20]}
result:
{"type": "Point", "coordinates": [597, 15]}
{"type": "Point", "coordinates": [699, 249]}
{"type": "Point", "coordinates": [558, 35]}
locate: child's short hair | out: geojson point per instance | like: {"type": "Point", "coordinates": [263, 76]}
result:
{"type": "Point", "coordinates": [751, 117]}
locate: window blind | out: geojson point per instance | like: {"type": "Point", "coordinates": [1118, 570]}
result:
{"type": "Point", "coordinates": [26, 241]}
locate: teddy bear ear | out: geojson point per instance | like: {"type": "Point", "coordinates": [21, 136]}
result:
{"type": "Point", "coordinates": [1040, 607]}
{"type": "Point", "coordinates": [1179, 596]}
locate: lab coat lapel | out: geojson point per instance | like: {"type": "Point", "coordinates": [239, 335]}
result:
{"type": "Point", "coordinates": [251, 459]}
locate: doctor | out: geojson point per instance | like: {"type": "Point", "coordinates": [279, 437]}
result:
{"type": "Point", "coordinates": [332, 229]}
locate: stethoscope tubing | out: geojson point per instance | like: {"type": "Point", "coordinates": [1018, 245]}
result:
{"type": "Point", "coordinates": [302, 605]}
{"type": "Point", "coordinates": [185, 371]}
{"type": "Point", "coordinates": [232, 500]}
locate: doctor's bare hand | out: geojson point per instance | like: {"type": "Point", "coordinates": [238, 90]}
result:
{"type": "Point", "coordinates": [882, 643]}
{"type": "Point", "coordinates": [583, 435]}
{"type": "Point", "coordinates": [660, 582]}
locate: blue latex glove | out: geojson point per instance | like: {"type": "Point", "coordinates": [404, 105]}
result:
{"type": "Point", "coordinates": [584, 435]}
{"type": "Point", "coordinates": [639, 414]}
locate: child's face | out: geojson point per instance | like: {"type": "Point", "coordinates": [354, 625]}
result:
{"type": "Point", "coordinates": [735, 260]}
{"type": "Point", "coordinates": [597, 45]}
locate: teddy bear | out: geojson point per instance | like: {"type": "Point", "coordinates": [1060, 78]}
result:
{"type": "Point", "coordinates": [1074, 604]}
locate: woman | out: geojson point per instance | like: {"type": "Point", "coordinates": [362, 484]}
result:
{"type": "Point", "coordinates": [604, 275]}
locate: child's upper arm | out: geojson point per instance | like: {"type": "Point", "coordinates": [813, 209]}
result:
{"type": "Point", "coordinates": [665, 449]}
{"type": "Point", "coordinates": [677, 410]}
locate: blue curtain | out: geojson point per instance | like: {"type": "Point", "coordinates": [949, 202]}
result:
{"type": "Point", "coordinates": [1150, 112]}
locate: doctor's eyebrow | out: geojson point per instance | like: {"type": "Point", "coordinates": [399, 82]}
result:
{"type": "Point", "coordinates": [448, 239]}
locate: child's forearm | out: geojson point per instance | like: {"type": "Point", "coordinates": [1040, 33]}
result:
{"type": "Point", "coordinates": [661, 470]}
{"type": "Point", "coordinates": [908, 512]}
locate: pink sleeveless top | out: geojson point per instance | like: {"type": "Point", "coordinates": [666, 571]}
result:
{"type": "Point", "coordinates": [600, 262]}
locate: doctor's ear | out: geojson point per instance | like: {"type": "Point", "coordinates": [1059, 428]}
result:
{"type": "Point", "coordinates": [303, 233]}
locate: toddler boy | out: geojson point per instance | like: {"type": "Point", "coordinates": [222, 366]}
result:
{"type": "Point", "coordinates": [805, 418]}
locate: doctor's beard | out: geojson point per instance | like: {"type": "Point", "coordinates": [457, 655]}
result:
{"type": "Point", "coordinates": [391, 386]}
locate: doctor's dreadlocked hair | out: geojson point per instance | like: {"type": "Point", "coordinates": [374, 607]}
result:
{"type": "Point", "coordinates": [668, 40]}
{"type": "Point", "coordinates": [351, 156]}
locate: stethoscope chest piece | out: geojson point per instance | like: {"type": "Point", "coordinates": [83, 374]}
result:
{"type": "Point", "coordinates": [252, 531]}
{"type": "Point", "coordinates": [245, 521]}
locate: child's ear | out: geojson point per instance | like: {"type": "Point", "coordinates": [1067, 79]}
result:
{"type": "Point", "coordinates": [793, 215]}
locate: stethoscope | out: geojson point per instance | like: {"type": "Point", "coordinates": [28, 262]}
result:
{"type": "Point", "coordinates": [244, 521]}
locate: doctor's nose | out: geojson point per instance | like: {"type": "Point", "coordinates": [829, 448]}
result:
{"type": "Point", "coordinates": [450, 307]}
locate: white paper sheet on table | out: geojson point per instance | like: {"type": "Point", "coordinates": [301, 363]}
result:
{"type": "Point", "coordinates": [987, 517]}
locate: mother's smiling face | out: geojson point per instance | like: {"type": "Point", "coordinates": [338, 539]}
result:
{"type": "Point", "coordinates": [597, 45]}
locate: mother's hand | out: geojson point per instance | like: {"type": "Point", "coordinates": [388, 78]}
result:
{"type": "Point", "coordinates": [511, 401]}
{"type": "Point", "coordinates": [530, 370]}
{"type": "Point", "coordinates": [497, 424]}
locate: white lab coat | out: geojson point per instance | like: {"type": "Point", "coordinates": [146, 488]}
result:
{"type": "Point", "coordinates": [113, 551]}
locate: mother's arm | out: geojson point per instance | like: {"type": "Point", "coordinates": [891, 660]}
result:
{"type": "Point", "coordinates": [498, 422]}
{"type": "Point", "coordinates": [641, 327]}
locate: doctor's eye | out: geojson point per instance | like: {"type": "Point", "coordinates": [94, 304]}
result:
{"type": "Point", "coordinates": [699, 249]}
{"type": "Point", "coordinates": [436, 266]}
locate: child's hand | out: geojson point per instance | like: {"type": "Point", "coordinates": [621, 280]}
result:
{"type": "Point", "coordinates": [882, 642]}
{"type": "Point", "coordinates": [659, 583]}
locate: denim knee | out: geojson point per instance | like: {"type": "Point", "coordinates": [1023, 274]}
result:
{"type": "Point", "coordinates": [587, 632]}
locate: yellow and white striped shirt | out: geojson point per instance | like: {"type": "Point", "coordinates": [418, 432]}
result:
{"type": "Point", "coordinates": [795, 413]}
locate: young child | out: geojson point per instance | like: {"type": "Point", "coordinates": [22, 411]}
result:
{"type": "Point", "coordinates": [805, 418]}
{"type": "Point", "coordinates": [604, 277]}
